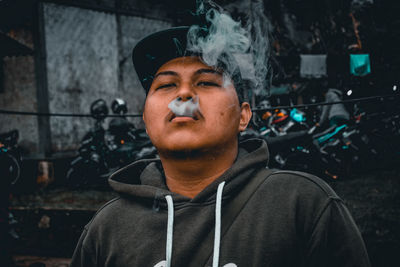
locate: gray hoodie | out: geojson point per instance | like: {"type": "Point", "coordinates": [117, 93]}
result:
{"type": "Point", "coordinates": [292, 219]}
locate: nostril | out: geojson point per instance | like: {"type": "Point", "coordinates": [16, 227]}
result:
{"type": "Point", "coordinates": [187, 98]}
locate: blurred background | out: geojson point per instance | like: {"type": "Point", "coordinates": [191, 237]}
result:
{"type": "Point", "coordinates": [71, 103]}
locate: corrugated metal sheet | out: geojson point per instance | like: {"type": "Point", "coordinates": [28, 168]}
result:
{"type": "Point", "coordinates": [132, 30]}
{"type": "Point", "coordinates": [82, 60]}
{"type": "Point", "coordinates": [89, 57]}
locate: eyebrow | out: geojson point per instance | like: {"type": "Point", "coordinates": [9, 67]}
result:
{"type": "Point", "coordinates": [212, 71]}
{"type": "Point", "coordinates": [166, 73]}
{"type": "Point", "coordinates": [197, 72]}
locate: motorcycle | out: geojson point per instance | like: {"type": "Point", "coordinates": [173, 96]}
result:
{"type": "Point", "coordinates": [89, 167]}
{"type": "Point", "coordinates": [125, 143]}
{"type": "Point", "coordinates": [103, 151]}
{"type": "Point", "coordinates": [10, 170]}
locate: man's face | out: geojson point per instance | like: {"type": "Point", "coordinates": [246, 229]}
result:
{"type": "Point", "coordinates": [220, 117]}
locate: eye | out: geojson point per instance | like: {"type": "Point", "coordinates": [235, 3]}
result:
{"type": "Point", "coordinates": [208, 84]}
{"type": "Point", "coordinates": [166, 86]}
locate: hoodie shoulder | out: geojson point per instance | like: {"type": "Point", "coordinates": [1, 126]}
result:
{"type": "Point", "coordinates": [301, 181]}
{"type": "Point", "coordinates": [297, 190]}
{"type": "Point", "coordinates": [297, 198]}
{"type": "Point", "coordinates": [103, 213]}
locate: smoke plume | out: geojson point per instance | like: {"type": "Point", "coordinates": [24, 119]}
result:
{"type": "Point", "coordinates": [224, 42]}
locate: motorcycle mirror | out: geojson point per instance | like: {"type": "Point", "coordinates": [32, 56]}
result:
{"type": "Point", "coordinates": [118, 106]}
{"type": "Point", "coordinates": [99, 109]}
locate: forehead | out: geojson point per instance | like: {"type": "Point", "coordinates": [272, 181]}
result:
{"type": "Point", "coordinates": [192, 62]}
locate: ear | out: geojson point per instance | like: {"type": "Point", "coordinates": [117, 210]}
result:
{"type": "Point", "coordinates": [144, 120]}
{"type": "Point", "coordinates": [245, 116]}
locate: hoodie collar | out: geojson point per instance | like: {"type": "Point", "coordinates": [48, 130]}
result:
{"type": "Point", "coordinates": [145, 178]}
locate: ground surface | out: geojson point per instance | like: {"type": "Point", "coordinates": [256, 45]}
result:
{"type": "Point", "coordinates": [374, 201]}
{"type": "Point", "coordinates": [25, 261]}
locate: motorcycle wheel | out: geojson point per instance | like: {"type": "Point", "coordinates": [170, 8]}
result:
{"type": "Point", "coordinates": [10, 166]}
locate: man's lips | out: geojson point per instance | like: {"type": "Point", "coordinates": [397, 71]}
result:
{"type": "Point", "coordinates": [182, 119]}
{"type": "Point", "coordinates": [196, 116]}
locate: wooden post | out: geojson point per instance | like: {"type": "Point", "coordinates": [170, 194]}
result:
{"type": "Point", "coordinates": [41, 80]}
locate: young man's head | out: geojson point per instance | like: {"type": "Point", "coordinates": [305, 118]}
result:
{"type": "Point", "coordinates": [178, 73]}
{"type": "Point", "coordinates": [215, 119]}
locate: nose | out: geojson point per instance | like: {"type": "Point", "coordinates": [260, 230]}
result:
{"type": "Point", "coordinates": [186, 93]}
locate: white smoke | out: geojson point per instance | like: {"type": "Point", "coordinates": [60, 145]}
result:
{"type": "Point", "coordinates": [237, 47]}
{"type": "Point", "coordinates": [261, 28]}
{"type": "Point", "coordinates": [184, 108]}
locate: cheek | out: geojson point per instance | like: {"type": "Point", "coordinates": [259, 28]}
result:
{"type": "Point", "coordinates": [226, 112]}
{"type": "Point", "coordinates": [154, 106]}
{"type": "Point", "coordinates": [153, 126]}
{"type": "Point", "coordinates": [151, 115]}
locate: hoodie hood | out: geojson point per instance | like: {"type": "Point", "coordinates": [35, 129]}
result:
{"type": "Point", "coordinates": [144, 182]}
{"type": "Point", "coordinates": [144, 179]}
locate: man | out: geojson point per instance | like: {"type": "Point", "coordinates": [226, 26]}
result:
{"type": "Point", "coordinates": [209, 201]}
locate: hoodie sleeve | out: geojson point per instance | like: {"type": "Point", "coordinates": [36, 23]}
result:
{"type": "Point", "coordinates": [336, 240]}
{"type": "Point", "coordinates": [82, 256]}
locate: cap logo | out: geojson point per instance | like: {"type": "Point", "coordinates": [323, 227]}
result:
{"type": "Point", "coordinates": [179, 47]}
{"type": "Point", "coordinates": [150, 57]}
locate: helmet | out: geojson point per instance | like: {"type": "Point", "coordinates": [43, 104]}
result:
{"type": "Point", "coordinates": [99, 109]}
{"type": "Point", "coordinates": [118, 106]}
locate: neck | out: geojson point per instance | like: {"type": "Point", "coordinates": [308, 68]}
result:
{"type": "Point", "coordinates": [188, 173]}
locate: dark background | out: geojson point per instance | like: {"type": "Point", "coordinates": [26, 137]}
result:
{"type": "Point", "coordinates": [60, 55]}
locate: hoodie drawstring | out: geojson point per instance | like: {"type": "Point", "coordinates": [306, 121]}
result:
{"type": "Point", "coordinates": [217, 234]}
{"type": "Point", "coordinates": [170, 229]}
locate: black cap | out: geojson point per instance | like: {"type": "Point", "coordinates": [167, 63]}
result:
{"type": "Point", "coordinates": [156, 49]}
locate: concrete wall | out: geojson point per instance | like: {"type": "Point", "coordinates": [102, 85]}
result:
{"type": "Point", "coordinates": [88, 57]}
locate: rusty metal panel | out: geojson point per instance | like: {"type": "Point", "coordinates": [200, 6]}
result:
{"type": "Point", "coordinates": [20, 94]}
